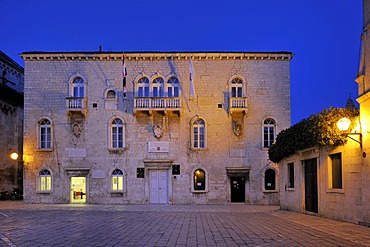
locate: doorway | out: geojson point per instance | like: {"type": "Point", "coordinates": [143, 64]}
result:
{"type": "Point", "coordinates": [158, 186]}
{"type": "Point", "coordinates": [237, 189]}
{"type": "Point", "coordinates": [78, 190]}
{"type": "Point", "coordinates": [310, 181]}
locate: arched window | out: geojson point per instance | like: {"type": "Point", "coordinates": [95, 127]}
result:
{"type": "Point", "coordinates": [45, 134]}
{"type": "Point", "coordinates": [117, 180]}
{"type": "Point", "coordinates": [111, 94]}
{"type": "Point", "coordinates": [269, 126]}
{"type": "Point", "coordinates": [45, 180]}
{"type": "Point", "coordinates": [237, 87]}
{"type": "Point", "coordinates": [78, 88]}
{"type": "Point", "coordinates": [173, 87]}
{"type": "Point", "coordinates": [117, 134]}
{"type": "Point", "coordinates": [143, 87]}
{"type": "Point", "coordinates": [270, 183]}
{"type": "Point", "coordinates": [199, 180]}
{"type": "Point", "coordinates": [78, 92]}
{"type": "Point", "coordinates": [199, 134]}
{"type": "Point", "coordinates": [158, 87]}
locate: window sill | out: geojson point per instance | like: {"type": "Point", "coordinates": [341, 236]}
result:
{"type": "Point", "coordinates": [264, 149]}
{"type": "Point", "coordinates": [290, 189]}
{"type": "Point", "coordinates": [270, 191]}
{"type": "Point", "coordinates": [335, 191]}
{"type": "Point", "coordinates": [44, 149]}
{"type": "Point", "coordinates": [199, 191]}
{"type": "Point", "coordinates": [46, 192]}
{"type": "Point", "coordinates": [199, 149]}
{"type": "Point", "coordinates": [116, 150]}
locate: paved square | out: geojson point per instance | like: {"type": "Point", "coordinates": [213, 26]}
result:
{"type": "Point", "coordinates": [170, 225]}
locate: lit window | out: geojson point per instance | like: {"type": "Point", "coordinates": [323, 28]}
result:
{"type": "Point", "coordinates": [198, 134]}
{"type": "Point", "coordinates": [199, 180]}
{"type": "Point", "coordinates": [45, 180]}
{"type": "Point", "coordinates": [117, 134]}
{"type": "Point", "coordinates": [236, 87]}
{"type": "Point", "coordinates": [117, 180]}
{"type": "Point", "coordinates": [270, 179]}
{"type": "Point", "coordinates": [142, 87]}
{"type": "Point", "coordinates": [336, 171]}
{"type": "Point", "coordinates": [173, 87]}
{"type": "Point", "coordinates": [158, 87]}
{"type": "Point", "coordinates": [268, 132]}
{"type": "Point", "coordinates": [45, 134]}
{"type": "Point", "coordinates": [290, 175]}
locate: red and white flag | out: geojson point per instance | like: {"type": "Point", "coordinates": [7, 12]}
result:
{"type": "Point", "coordinates": [192, 74]}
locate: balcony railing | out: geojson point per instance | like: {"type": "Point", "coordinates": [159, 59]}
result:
{"type": "Point", "coordinates": [76, 104]}
{"type": "Point", "coordinates": [238, 104]}
{"type": "Point", "coordinates": [157, 104]}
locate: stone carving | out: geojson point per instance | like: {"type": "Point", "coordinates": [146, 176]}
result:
{"type": "Point", "coordinates": [76, 129]}
{"type": "Point", "coordinates": [158, 131]}
{"type": "Point", "coordinates": [237, 128]}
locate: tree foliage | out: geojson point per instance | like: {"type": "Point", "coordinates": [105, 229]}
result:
{"type": "Point", "coordinates": [315, 131]}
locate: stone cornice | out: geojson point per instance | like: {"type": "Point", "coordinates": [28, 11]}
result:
{"type": "Point", "coordinates": [92, 56]}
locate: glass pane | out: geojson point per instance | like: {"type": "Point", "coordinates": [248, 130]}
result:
{"type": "Point", "coordinates": [146, 93]}
{"type": "Point", "coordinates": [176, 92]}
{"type": "Point", "coordinates": [169, 92]}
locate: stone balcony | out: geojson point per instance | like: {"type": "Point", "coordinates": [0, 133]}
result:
{"type": "Point", "coordinates": [238, 105]}
{"type": "Point", "coordinates": [76, 105]}
{"type": "Point", "coordinates": [162, 105]}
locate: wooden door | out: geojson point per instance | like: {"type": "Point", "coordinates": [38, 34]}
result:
{"type": "Point", "coordinates": [311, 195]}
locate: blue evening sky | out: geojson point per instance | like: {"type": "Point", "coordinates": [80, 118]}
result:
{"type": "Point", "coordinates": [324, 35]}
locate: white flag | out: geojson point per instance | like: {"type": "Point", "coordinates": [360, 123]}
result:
{"type": "Point", "coordinates": [192, 74]}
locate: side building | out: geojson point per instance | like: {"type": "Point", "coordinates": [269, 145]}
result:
{"type": "Point", "coordinates": [153, 127]}
{"type": "Point", "coordinates": [11, 122]}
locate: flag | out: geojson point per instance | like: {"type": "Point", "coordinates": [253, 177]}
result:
{"type": "Point", "coordinates": [124, 74]}
{"type": "Point", "coordinates": [192, 73]}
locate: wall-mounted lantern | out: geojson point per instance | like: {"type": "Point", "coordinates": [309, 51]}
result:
{"type": "Point", "coordinates": [343, 126]}
{"type": "Point", "coordinates": [14, 156]}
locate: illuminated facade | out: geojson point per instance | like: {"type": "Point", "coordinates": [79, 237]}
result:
{"type": "Point", "coordinates": [11, 122]}
{"type": "Point", "coordinates": [90, 138]}
{"type": "Point", "coordinates": [335, 182]}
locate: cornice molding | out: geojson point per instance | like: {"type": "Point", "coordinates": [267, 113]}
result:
{"type": "Point", "coordinates": [115, 56]}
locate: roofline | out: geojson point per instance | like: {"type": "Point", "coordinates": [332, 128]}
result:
{"type": "Point", "coordinates": [136, 55]}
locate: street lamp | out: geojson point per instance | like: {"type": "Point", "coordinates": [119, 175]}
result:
{"type": "Point", "coordinates": [14, 156]}
{"type": "Point", "coordinates": [343, 126]}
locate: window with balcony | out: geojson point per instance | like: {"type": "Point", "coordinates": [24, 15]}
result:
{"type": "Point", "coordinates": [44, 134]}
{"type": "Point", "coordinates": [143, 87]}
{"type": "Point", "coordinates": [158, 87]}
{"type": "Point", "coordinates": [269, 129]}
{"type": "Point", "coordinates": [78, 92]}
{"type": "Point", "coordinates": [237, 87]}
{"type": "Point", "coordinates": [117, 134]}
{"type": "Point", "coordinates": [173, 87]}
{"type": "Point", "coordinates": [198, 133]}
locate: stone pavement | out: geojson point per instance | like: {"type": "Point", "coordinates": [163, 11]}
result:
{"type": "Point", "coordinates": [170, 225]}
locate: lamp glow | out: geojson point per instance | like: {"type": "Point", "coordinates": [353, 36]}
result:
{"type": "Point", "coordinates": [14, 156]}
{"type": "Point", "coordinates": [343, 124]}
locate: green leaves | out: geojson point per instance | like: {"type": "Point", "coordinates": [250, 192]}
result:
{"type": "Point", "coordinates": [314, 131]}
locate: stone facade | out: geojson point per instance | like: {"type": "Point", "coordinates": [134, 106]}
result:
{"type": "Point", "coordinates": [11, 122]}
{"type": "Point", "coordinates": [170, 138]}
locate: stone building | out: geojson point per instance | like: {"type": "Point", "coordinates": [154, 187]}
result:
{"type": "Point", "coordinates": [335, 182]}
{"type": "Point", "coordinates": [128, 128]}
{"type": "Point", "coordinates": [11, 122]}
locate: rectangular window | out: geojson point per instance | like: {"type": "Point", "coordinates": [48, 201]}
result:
{"type": "Point", "coordinates": [290, 175]}
{"type": "Point", "coordinates": [45, 137]}
{"type": "Point", "coordinates": [117, 183]}
{"type": "Point", "coordinates": [45, 183]}
{"type": "Point", "coordinates": [336, 170]}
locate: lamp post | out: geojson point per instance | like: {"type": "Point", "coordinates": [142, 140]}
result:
{"type": "Point", "coordinates": [343, 126]}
